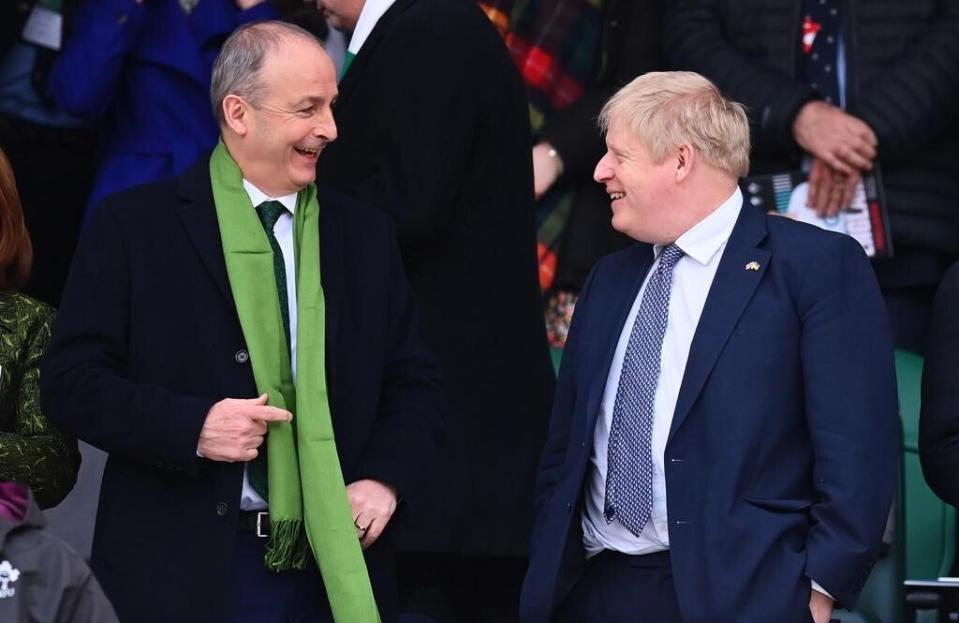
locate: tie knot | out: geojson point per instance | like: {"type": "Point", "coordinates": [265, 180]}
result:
{"type": "Point", "coordinates": [669, 256]}
{"type": "Point", "coordinates": [269, 212]}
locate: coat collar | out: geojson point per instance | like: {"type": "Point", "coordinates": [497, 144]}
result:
{"type": "Point", "coordinates": [198, 215]}
{"type": "Point", "coordinates": [740, 271]}
{"type": "Point", "coordinates": [732, 288]}
{"type": "Point", "coordinates": [362, 60]}
{"type": "Point", "coordinates": [197, 212]}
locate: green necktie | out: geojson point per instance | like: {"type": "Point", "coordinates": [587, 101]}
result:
{"type": "Point", "coordinates": [347, 61]}
{"type": "Point", "coordinates": [269, 212]}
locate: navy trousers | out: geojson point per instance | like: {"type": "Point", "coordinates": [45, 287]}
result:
{"type": "Point", "coordinates": [616, 588]}
{"type": "Point", "coordinates": [264, 596]}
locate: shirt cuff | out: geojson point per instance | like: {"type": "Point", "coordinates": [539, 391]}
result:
{"type": "Point", "coordinates": [820, 589]}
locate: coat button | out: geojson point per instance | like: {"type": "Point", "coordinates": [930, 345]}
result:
{"type": "Point", "coordinates": [222, 509]}
{"type": "Point", "coordinates": [241, 356]}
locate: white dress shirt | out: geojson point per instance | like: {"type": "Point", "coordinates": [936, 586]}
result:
{"type": "Point", "coordinates": [693, 275]}
{"type": "Point", "coordinates": [250, 500]}
{"type": "Point", "coordinates": [371, 13]}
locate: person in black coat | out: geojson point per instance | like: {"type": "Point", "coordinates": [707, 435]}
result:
{"type": "Point", "coordinates": [434, 129]}
{"type": "Point", "coordinates": [149, 354]}
{"type": "Point", "coordinates": [897, 77]}
{"type": "Point", "coordinates": [939, 418]}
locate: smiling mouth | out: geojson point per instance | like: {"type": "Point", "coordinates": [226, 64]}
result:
{"type": "Point", "coordinates": [309, 153]}
{"type": "Point", "coordinates": [615, 196]}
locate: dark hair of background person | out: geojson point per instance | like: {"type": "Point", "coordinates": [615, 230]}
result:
{"type": "Point", "coordinates": [16, 251]}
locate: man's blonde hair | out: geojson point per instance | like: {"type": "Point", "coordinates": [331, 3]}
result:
{"type": "Point", "coordinates": [667, 109]}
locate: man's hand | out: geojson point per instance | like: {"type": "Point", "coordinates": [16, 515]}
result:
{"type": "Point", "coordinates": [820, 606]}
{"type": "Point", "coordinates": [546, 168]}
{"type": "Point", "coordinates": [844, 142]}
{"type": "Point", "coordinates": [373, 504]}
{"type": "Point", "coordinates": [235, 428]}
{"type": "Point", "coordinates": [829, 190]}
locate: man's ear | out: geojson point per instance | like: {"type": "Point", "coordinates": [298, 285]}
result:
{"type": "Point", "coordinates": [236, 114]}
{"type": "Point", "coordinates": [685, 159]}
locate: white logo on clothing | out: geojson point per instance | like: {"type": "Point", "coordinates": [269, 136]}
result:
{"type": "Point", "coordinates": [8, 575]}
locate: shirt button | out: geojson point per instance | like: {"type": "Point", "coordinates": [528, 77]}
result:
{"type": "Point", "coordinates": [222, 509]}
{"type": "Point", "coordinates": [241, 356]}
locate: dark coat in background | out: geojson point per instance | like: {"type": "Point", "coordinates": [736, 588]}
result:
{"type": "Point", "coordinates": [433, 128]}
{"type": "Point", "coordinates": [939, 419]}
{"type": "Point", "coordinates": [148, 339]}
{"type": "Point", "coordinates": [901, 59]}
{"type": "Point", "coordinates": [630, 45]}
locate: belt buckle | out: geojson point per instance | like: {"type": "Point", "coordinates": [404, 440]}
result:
{"type": "Point", "coordinates": [260, 527]}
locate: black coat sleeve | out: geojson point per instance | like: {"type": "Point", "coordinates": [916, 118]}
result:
{"type": "Point", "coordinates": [84, 384]}
{"type": "Point", "coordinates": [939, 419]}
{"type": "Point", "coordinates": [410, 422]}
{"type": "Point", "coordinates": [695, 40]}
{"type": "Point", "coordinates": [915, 99]}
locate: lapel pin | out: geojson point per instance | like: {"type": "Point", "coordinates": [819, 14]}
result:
{"type": "Point", "coordinates": [752, 266]}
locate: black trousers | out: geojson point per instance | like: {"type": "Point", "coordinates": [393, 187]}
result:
{"type": "Point", "coordinates": [617, 588]}
{"type": "Point", "coordinates": [264, 596]}
{"type": "Point", "coordinates": [454, 588]}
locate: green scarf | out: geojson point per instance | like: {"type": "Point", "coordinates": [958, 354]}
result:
{"type": "Point", "coordinates": [306, 486]}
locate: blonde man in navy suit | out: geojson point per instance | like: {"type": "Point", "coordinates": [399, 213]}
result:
{"type": "Point", "coordinates": [723, 441]}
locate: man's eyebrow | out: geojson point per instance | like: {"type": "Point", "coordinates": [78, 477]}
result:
{"type": "Point", "coordinates": [616, 151]}
{"type": "Point", "coordinates": [309, 99]}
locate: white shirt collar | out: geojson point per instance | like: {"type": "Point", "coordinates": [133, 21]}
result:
{"type": "Point", "coordinates": [371, 13]}
{"type": "Point", "coordinates": [257, 197]}
{"type": "Point", "coordinates": [705, 238]}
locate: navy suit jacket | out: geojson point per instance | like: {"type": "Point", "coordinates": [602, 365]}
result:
{"type": "Point", "coordinates": [781, 460]}
{"type": "Point", "coordinates": [148, 339]}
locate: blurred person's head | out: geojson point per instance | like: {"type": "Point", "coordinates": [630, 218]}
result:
{"type": "Point", "coordinates": [342, 14]}
{"type": "Point", "coordinates": [676, 149]}
{"type": "Point", "coordinates": [273, 89]}
{"type": "Point", "coordinates": [16, 252]}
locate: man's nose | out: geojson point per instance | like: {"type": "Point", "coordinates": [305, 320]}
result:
{"type": "Point", "coordinates": [603, 171]}
{"type": "Point", "coordinates": [326, 129]}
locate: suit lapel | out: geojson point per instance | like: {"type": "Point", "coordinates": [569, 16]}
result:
{"type": "Point", "coordinates": [198, 215]}
{"type": "Point", "coordinates": [732, 288]}
{"type": "Point", "coordinates": [610, 326]}
{"type": "Point", "coordinates": [348, 85]}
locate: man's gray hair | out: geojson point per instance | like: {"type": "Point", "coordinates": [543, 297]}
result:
{"type": "Point", "coordinates": [237, 68]}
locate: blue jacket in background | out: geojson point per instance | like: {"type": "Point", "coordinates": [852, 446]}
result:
{"type": "Point", "coordinates": [146, 70]}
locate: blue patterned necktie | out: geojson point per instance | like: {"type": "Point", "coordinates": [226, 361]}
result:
{"type": "Point", "coordinates": [629, 475]}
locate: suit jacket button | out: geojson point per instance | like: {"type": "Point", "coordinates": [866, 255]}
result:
{"type": "Point", "coordinates": [241, 356]}
{"type": "Point", "coordinates": [222, 509]}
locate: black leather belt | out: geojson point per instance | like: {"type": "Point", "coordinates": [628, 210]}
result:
{"type": "Point", "coordinates": [257, 522]}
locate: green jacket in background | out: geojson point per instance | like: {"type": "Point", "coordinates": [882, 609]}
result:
{"type": "Point", "coordinates": [32, 452]}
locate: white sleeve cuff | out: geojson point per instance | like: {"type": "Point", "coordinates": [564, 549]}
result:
{"type": "Point", "coordinates": [817, 588]}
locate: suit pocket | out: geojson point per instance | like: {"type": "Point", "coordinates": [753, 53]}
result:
{"type": "Point", "coordinates": [779, 505]}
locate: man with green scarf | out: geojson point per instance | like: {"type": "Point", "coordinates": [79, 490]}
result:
{"type": "Point", "coordinates": [245, 348]}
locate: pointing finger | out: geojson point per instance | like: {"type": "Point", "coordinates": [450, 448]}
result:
{"type": "Point", "coordinates": [270, 414]}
